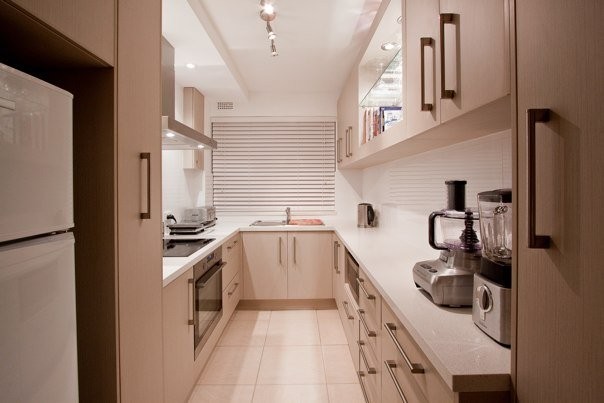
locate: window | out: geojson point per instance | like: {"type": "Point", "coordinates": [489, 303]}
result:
{"type": "Point", "coordinates": [264, 167]}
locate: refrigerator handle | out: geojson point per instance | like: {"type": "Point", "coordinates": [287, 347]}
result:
{"type": "Point", "coordinates": [147, 215]}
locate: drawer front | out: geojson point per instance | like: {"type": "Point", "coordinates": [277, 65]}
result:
{"type": "Point", "coordinates": [423, 380]}
{"type": "Point", "coordinates": [369, 365]}
{"type": "Point", "coordinates": [370, 300]}
{"type": "Point", "coordinates": [232, 256]}
{"type": "Point", "coordinates": [231, 295]}
{"type": "Point", "coordinates": [369, 332]}
{"type": "Point", "coordinates": [351, 328]}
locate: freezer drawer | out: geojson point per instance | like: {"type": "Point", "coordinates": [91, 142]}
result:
{"type": "Point", "coordinates": [37, 312]}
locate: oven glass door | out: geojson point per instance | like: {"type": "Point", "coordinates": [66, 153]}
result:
{"type": "Point", "coordinates": [352, 274]}
{"type": "Point", "coordinates": [208, 304]}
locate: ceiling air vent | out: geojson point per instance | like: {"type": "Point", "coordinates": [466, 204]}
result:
{"type": "Point", "coordinates": [224, 105]}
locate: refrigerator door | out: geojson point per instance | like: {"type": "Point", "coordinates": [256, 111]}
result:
{"type": "Point", "coordinates": [37, 312]}
{"type": "Point", "coordinates": [36, 175]}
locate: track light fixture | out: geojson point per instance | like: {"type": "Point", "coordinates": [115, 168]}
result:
{"type": "Point", "coordinates": [268, 14]}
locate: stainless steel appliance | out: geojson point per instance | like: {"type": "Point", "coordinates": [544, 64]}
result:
{"type": "Point", "coordinates": [207, 297]}
{"type": "Point", "coordinates": [183, 247]}
{"type": "Point", "coordinates": [352, 275]}
{"type": "Point", "coordinates": [491, 310]}
{"type": "Point", "coordinates": [365, 216]}
{"type": "Point", "coordinates": [449, 279]}
{"type": "Point", "coordinates": [195, 221]}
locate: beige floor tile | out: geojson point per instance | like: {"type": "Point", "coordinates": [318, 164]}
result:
{"type": "Point", "coordinates": [291, 365]}
{"type": "Point", "coordinates": [293, 332]}
{"type": "Point", "coordinates": [290, 394]}
{"type": "Point", "coordinates": [339, 367]}
{"type": "Point", "coordinates": [244, 333]}
{"type": "Point", "coordinates": [330, 327]}
{"type": "Point", "coordinates": [346, 393]}
{"type": "Point", "coordinates": [231, 366]}
{"type": "Point", "coordinates": [251, 315]}
{"type": "Point", "coordinates": [294, 315]}
{"type": "Point", "coordinates": [222, 394]}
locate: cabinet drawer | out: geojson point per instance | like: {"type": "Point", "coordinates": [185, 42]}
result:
{"type": "Point", "coordinates": [398, 344]}
{"type": "Point", "coordinates": [231, 296]}
{"type": "Point", "coordinates": [369, 332]}
{"type": "Point", "coordinates": [369, 365]}
{"type": "Point", "coordinates": [231, 254]}
{"type": "Point", "coordinates": [350, 321]}
{"type": "Point", "coordinates": [369, 300]}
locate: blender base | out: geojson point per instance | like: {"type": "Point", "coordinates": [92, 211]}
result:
{"type": "Point", "coordinates": [446, 285]}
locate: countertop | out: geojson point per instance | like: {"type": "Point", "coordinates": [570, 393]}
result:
{"type": "Point", "coordinates": [465, 357]}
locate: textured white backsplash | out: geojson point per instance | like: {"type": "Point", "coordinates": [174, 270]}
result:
{"type": "Point", "coordinates": [416, 184]}
{"type": "Point", "coordinates": [181, 188]}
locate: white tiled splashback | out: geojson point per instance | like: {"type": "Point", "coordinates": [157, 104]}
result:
{"type": "Point", "coordinates": [416, 184]}
{"type": "Point", "coordinates": [181, 188]}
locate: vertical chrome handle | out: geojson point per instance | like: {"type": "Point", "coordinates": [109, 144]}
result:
{"type": "Point", "coordinates": [147, 156]}
{"type": "Point", "coordinates": [294, 249]}
{"type": "Point", "coordinates": [370, 333]}
{"type": "Point", "coordinates": [389, 367]}
{"type": "Point", "coordinates": [414, 368]}
{"type": "Point", "coordinates": [279, 246]}
{"type": "Point", "coordinates": [346, 139]}
{"type": "Point", "coordinates": [361, 375]}
{"type": "Point", "coordinates": [345, 306]}
{"type": "Point", "coordinates": [336, 248]}
{"type": "Point", "coordinates": [191, 318]}
{"type": "Point", "coordinates": [349, 141]}
{"type": "Point", "coordinates": [533, 116]}
{"type": "Point", "coordinates": [370, 370]}
{"type": "Point", "coordinates": [423, 43]}
{"type": "Point", "coordinates": [362, 287]}
{"type": "Point", "coordinates": [444, 19]}
{"type": "Point", "coordinates": [339, 150]}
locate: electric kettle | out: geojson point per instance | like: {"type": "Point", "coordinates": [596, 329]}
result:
{"type": "Point", "coordinates": [366, 216]}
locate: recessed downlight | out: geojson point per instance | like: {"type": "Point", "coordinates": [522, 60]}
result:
{"type": "Point", "coordinates": [170, 134]}
{"type": "Point", "coordinates": [390, 45]}
{"type": "Point", "coordinates": [190, 65]}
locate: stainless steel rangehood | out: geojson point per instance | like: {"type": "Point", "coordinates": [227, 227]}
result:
{"type": "Point", "coordinates": [174, 134]}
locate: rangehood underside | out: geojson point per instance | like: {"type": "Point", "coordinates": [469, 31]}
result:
{"type": "Point", "coordinates": [178, 136]}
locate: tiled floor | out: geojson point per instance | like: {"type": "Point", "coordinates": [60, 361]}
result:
{"type": "Point", "coordinates": [280, 356]}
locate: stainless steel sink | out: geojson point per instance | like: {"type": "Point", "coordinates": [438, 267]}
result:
{"type": "Point", "coordinates": [264, 223]}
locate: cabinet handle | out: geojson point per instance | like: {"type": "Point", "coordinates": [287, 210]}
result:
{"type": "Point", "coordinates": [423, 43]}
{"type": "Point", "coordinates": [339, 149]}
{"type": "Point", "coordinates": [280, 260]}
{"type": "Point", "coordinates": [235, 241]}
{"type": "Point", "coordinates": [346, 142]}
{"type": "Point", "coordinates": [361, 375]}
{"type": "Point", "coordinates": [7, 104]}
{"type": "Point", "coordinates": [362, 287]}
{"type": "Point", "coordinates": [349, 141]}
{"type": "Point", "coordinates": [345, 306]}
{"type": "Point", "coordinates": [147, 215]}
{"type": "Point", "coordinates": [370, 370]}
{"type": "Point", "coordinates": [389, 367]}
{"type": "Point", "coordinates": [294, 250]}
{"type": "Point", "coordinates": [336, 247]}
{"type": "Point", "coordinates": [414, 368]}
{"type": "Point", "coordinates": [233, 290]}
{"type": "Point", "coordinates": [444, 19]}
{"type": "Point", "coordinates": [533, 116]}
{"type": "Point", "coordinates": [191, 319]}
{"type": "Point", "coordinates": [370, 333]}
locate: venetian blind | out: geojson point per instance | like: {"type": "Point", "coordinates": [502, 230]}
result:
{"type": "Point", "coordinates": [264, 167]}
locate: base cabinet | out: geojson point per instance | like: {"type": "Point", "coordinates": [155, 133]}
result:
{"type": "Point", "coordinates": [265, 265]}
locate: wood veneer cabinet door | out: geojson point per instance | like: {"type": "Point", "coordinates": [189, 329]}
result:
{"type": "Point", "coordinates": [139, 256]}
{"type": "Point", "coordinates": [348, 119]}
{"type": "Point", "coordinates": [560, 300]}
{"type": "Point", "coordinates": [89, 23]}
{"type": "Point", "coordinates": [310, 257]}
{"type": "Point", "coordinates": [264, 265]}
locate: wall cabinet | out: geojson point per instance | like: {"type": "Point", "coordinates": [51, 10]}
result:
{"type": "Point", "coordinates": [177, 308]}
{"type": "Point", "coordinates": [347, 142]}
{"type": "Point", "coordinates": [282, 265]}
{"type": "Point", "coordinates": [559, 304]}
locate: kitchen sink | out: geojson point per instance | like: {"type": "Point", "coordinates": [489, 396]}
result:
{"type": "Point", "coordinates": [264, 223]}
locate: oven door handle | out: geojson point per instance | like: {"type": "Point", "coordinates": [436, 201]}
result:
{"type": "Point", "coordinates": [209, 274]}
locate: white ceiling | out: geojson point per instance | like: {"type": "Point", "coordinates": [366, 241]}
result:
{"type": "Point", "coordinates": [317, 41]}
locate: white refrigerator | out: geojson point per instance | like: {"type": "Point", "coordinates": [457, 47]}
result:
{"type": "Point", "coordinates": [38, 349]}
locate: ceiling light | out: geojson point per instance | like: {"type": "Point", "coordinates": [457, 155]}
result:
{"type": "Point", "coordinates": [267, 7]}
{"type": "Point", "coordinates": [170, 134]}
{"type": "Point", "coordinates": [271, 34]}
{"type": "Point", "coordinates": [190, 65]}
{"type": "Point", "coordinates": [389, 45]}
{"type": "Point", "coordinates": [273, 49]}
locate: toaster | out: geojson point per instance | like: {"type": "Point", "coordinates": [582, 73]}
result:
{"type": "Point", "coordinates": [200, 214]}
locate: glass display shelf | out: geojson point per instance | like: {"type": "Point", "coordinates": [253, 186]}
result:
{"type": "Point", "coordinates": [387, 91]}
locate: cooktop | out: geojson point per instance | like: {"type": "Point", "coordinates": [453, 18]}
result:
{"type": "Point", "coordinates": [184, 247]}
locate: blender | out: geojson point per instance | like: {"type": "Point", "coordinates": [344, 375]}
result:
{"type": "Point", "coordinates": [491, 309]}
{"type": "Point", "coordinates": [449, 279]}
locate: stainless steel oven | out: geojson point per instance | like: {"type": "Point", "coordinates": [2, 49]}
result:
{"type": "Point", "coordinates": [352, 275]}
{"type": "Point", "coordinates": [207, 297]}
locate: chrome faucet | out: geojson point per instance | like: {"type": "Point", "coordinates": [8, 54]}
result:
{"type": "Point", "coordinates": [288, 215]}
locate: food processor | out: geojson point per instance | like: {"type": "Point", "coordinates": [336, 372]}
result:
{"type": "Point", "coordinates": [491, 310]}
{"type": "Point", "coordinates": [449, 279]}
